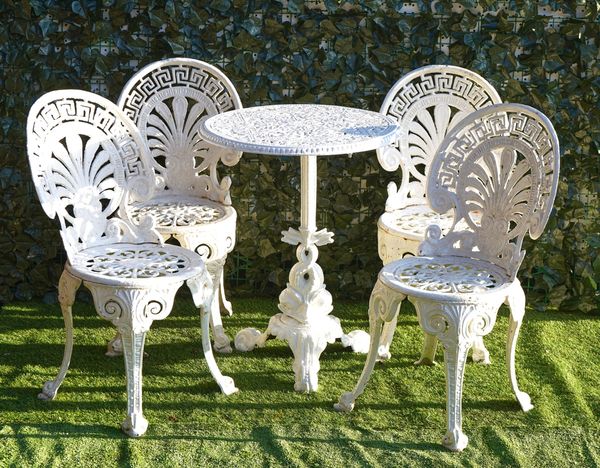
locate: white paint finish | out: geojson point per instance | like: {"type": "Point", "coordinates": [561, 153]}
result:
{"type": "Point", "coordinates": [88, 163]}
{"type": "Point", "coordinates": [427, 103]}
{"type": "Point", "coordinates": [307, 131]}
{"type": "Point", "coordinates": [503, 163]}
{"type": "Point", "coordinates": [300, 129]}
{"type": "Point", "coordinates": [168, 100]}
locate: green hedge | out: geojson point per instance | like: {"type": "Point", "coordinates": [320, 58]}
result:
{"type": "Point", "coordinates": [348, 54]}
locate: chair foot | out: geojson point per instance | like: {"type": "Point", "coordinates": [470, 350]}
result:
{"type": "Point", "coordinates": [114, 347]}
{"type": "Point", "coordinates": [428, 351]}
{"type": "Point", "coordinates": [455, 440]}
{"type": "Point", "coordinates": [383, 354]}
{"type": "Point", "coordinates": [135, 425]}
{"type": "Point", "coordinates": [227, 385]}
{"type": "Point", "coordinates": [49, 391]}
{"type": "Point", "coordinates": [480, 353]}
{"type": "Point", "coordinates": [345, 403]}
{"type": "Point", "coordinates": [524, 400]}
{"type": "Point", "coordinates": [425, 361]}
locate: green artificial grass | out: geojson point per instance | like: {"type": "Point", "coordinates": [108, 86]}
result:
{"type": "Point", "coordinates": [398, 421]}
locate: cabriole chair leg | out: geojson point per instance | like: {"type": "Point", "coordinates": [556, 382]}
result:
{"type": "Point", "coordinates": [135, 424]}
{"type": "Point", "coordinates": [67, 288]}
{"type": "Point", "coordinates": [225, 304]}
{"type": "Point", "coordinates": [222, 341]}
{"type": "Point", "coordinates": [384, 306]}
{"type": "Point", "coordinates": [516, 302]}
{"type": "Point", "coordinates": [226, 383]}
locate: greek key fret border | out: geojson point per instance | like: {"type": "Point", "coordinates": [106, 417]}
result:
{"type": "Point", "coordinates": [169, 76]}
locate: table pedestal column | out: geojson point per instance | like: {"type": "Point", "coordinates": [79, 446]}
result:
{"type": "Point", "coordinates": [305, 304]}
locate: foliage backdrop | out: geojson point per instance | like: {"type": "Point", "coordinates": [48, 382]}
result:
{"type": "Point", "coordinates": [545, 54]}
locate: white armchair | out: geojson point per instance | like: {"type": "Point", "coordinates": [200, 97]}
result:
{"type": "Point", "coordinates": [88, 163]}
{"type": "Point", "coordinates": [496, 174]}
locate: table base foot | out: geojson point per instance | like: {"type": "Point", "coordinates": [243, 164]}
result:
{"type": "Point", "coordinates": [307, 341]}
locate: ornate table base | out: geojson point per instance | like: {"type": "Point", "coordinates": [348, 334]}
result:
{"type": "Point", "coordinates": [305, 304]}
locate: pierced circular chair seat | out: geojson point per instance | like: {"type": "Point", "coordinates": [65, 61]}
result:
{"type": "Point", "coordinates": [177, 212]}
{"type": "Point", "coordinates": [410, 223]}
{"type": "Point", "coordinates": [447, 277]}
{"type": "Point", "coordinates": [185, 217]}
{"type": "Point", "coordinates": [135, 265]}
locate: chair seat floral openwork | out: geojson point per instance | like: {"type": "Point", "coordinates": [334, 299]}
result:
{"type": "Point", "coordinates": [500, 163]}
{"type": "Point", "coordinates": [427, 102]}
{"type": "Point", "coordinates": [167, 100]}
{"type": "Point", "coordinates": [88, 162]}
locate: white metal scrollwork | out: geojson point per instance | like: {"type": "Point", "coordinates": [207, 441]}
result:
{"type": "Point", "coordinates": [168, 100]}
{"type": "Point", "coordinates": [427, 103]}
{"type": "Point", "coordinates": [497, 173]}
{"type": "Point", "coordinates": [503, 165]}
{"type": "Point", "coordinates": [88, 163]}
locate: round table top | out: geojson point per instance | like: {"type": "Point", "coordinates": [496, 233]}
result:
{"type": "Point", "coordinates": [300, 129]}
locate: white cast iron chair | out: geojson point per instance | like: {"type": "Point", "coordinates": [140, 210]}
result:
{"type": "Point", "coordinates": [502, 163]}
{"type": "Point", "coordinates": [167, 101]}
{"type": "Point", "coordinates": [427, 102]}
{"type": "Point", "coordinates": [87, 160]}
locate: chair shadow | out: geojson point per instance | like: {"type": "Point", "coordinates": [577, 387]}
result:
{"type": "Point", "coordinates": [264, 436]}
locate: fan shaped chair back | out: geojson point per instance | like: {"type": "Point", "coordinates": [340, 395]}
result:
{"type": "Point", "coordinates": [167, 100]}
{"type": "Point", "coordinates": [87, 160]}
{"type": "Point", "coordinates": [498, 171]}
{"type": "Point", "coordinates": [427, 103]}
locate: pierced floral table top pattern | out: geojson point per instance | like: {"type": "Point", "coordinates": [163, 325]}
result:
{"type": "Point", "coordinates": [300, 129]}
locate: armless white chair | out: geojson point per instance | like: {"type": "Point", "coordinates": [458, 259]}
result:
{"type": "Point", "coordinates": [496, 173]}
{"type": "Point", "coordinates": [88, 162]}
{"type": "Point", "coordinates": [167, 100]}
{"type": "Point", "coordinates": [427, 102]}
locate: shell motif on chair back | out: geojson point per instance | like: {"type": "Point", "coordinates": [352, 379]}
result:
{"type": "Point", "coordinates": [167, 100]}
{"type": "Point", "coordinates": [498, 176]}
{"type": "Point", "coordinates": [427, 102]}
{"type": "Point", "coordinates": [87, 165]}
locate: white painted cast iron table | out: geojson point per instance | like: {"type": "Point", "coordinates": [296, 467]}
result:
{"type": "Point", "coordinates": [307, 131]}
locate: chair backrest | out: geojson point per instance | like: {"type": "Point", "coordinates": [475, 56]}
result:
{"type": "Point", "coordinates": [87, 161]}
{"type": "Point", "coordinates": [167, 100]}
{"type": "Point", "coordinates": [427, 102]}
{"type": "Point", "coordinates": [498, 171]}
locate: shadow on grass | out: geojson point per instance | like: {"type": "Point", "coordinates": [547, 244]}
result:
{"type": "Point", "coordinates": [264, 436]}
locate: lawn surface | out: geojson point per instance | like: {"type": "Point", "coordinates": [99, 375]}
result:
{"type": "Point", "coordinates": [398, 421]}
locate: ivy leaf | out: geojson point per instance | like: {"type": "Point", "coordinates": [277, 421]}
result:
{"type": "Point", "coordinates": [177, 45]}
{"type": "Point", "coordinates": [47, 26]}
{"type": "Point", "coordinates": [252, 25]}
{"type": "Point", "coordinates": [77, 8]}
